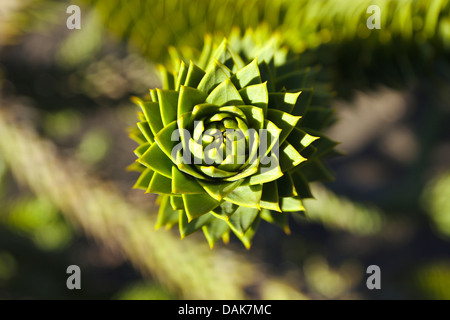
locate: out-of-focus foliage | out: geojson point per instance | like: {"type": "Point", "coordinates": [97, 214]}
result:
{"type": "Point", "coordinates": [331, 282]}
{"type": "Point", "coordinates": [305, 23]}
{"type": "Point", "coordinates": [17, 17]}
{"type": "Point", "coordinates": [142, 291]}
{"type": "Point", "coordinates": [437, 203]}
{"type": "Point", "coordinates": [33, 217]}
{"type": "Point", "coordinates": [413, 42]}
{"type": "Point", "coordinates": [8, 267]}
{"type": "Point", "coordinates": [38, 219]}
{"type": "Point", "coordinates": [95, 146]}
{"type": "Point", "coordinates": [433, 279]}
{"type": "Point", "coordinates": [342, 214]}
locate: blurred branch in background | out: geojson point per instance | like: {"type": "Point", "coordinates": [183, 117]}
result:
{"type": "Point", "coordinates": [413, 41]}
{"type": "Point", "coordinates": [342, 214]}
{"type": "Point", "coordinates": [305, 23]}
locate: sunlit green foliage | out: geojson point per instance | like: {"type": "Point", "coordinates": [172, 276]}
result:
{"type": "Point", "coordinates": [232, 182]}
{"type": "Point", "coordinates": [305, 23]}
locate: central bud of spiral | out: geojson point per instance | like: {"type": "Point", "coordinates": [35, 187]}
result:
{"type": "Point", "coordinates": [220, 143]}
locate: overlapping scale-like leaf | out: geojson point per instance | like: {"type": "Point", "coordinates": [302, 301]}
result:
{"type": "Point", "coordinates": [227, 144]}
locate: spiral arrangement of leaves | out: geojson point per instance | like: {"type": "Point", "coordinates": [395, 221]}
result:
{"type": "Point", "coordinates": [231, 140]}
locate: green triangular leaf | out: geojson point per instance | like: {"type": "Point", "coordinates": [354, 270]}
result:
{"type": "Point", "coordinates": [136, 167]}
{"type": "Point", "coordinates": [199, 204]}
{"type": "Point", "coordinates": [188, 227]}
{"type": "Point", "coordinates": [256, 95]}
{"type": "Point", "coordinates": [181, 76]}
{"type": "Point", "coordinates": [168, 103]}
{"type": "Point", "coordinates": [268, 139]}
{"type": "Point", "coordinates": [299, 139]}
{"type": "Point", "coordinates": [269, 197]}
{"type": "Point", "coordinates": [153, 95]}
{"type": "Point", "coordinates": [166, 140]}
{"type": "Point", "coordinates": [303, 101]}
{"type": "Point", "coordinates": [214, 172]}
{"type": "Point", "coordinates": [166, 215]}
{"type": "Point", "coordinates": [284, 121]}
{"type": "Point", "coordinates": [225, 94]}
{"type": "Point", "coordinates": [159, 184]}
{"type": "Point", "coordinates": [268, 171]}
{"type": "Point", "coordinates": [246, 195]}
{"type": "Point", "coordinates": [151, 112]}
{"type": "Point", "coordinates": [220, 189]}
{"type": "Point", "coordinates": [144, 179]}
{"type": "Point", "coordinates": [267, 53]}
{"type": "Point", "coordinates": [215, 75]}
{"type": "Point", "coordinates": [177, 202]}
{"type": "Point", "coordinates": [247, 76]}
{"type": "Point", "coordinates": [156, 159]}
{"type": "Point", "coordinates": [255, 116]}
{"type": "Point", "coordinates": [214, 231]}
{"type": "Point", "coordinates": [184, 184]}
{"type": "Point", "coordinates": [189, 98]}
{"type": "Point", "coordinates": [242, 219]}
{"type": "Point", "coordinates": [225, 210]}
{"type": "Point", "coordinates": [136, 135]}
{"type": "Point", "coordinates": [194, 76]}
{"type": "Point", "coordinates": [251, 165]}
{"type": "Point", "coordinates": [301, 185]}
{"type": "Point", "coordinates": [146, 131]}
{"type": "Point", "coordinates": [291, 204]}
{"type": "Point", "coordinates": [284, 101]}
{"type": "Point", "coordinates": [203, 110]}
{"type": "Point", "coordinates": [246, 239]}
{"type": "Point", "coordinates": [225, 55]}
{"type": "Point", "coordinates": [187, 168]}
{"type": "Point", "coordinates": [279, 219]}
{"type": "Point", "coordinates": [323, 145]}
{"type": "Point", "coordinates": [139, 151]}
{"type": "Point", "coordinates": [286, 186]}
{"type": "Point", "coordinates": [289, 157]}
{"type": "Point", "coordinates": [266, 75]}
